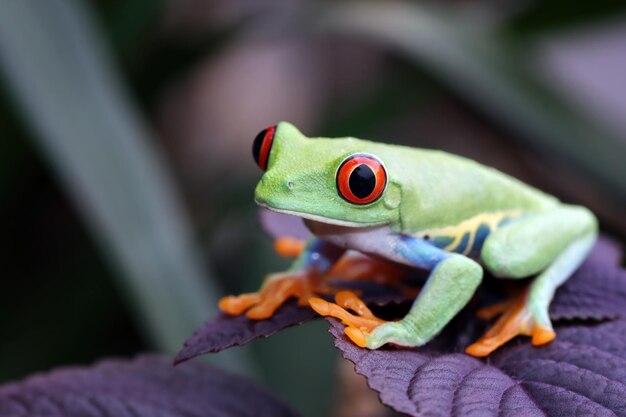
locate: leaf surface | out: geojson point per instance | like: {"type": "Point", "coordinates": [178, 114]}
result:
{"type": "Point", "coordinates": [425, 382]}
{"type": "Point", "coordinates": [581, 373]}
{"type": "Point", "coordinates": [597, 291]}
{"type": "Point", "coordinates": [225, 331]}
{"type": "Point", "coordinates": [144, 387]}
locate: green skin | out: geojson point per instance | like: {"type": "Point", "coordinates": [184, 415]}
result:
{"type": "Point", "coordinates": [428, 193]}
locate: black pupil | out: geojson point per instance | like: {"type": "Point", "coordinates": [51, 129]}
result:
{"type": "Point", "coordinates": [362, 181]}
{"type": "Point", "coordinates": [256, 145]}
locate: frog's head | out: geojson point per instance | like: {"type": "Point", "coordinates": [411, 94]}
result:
{"type": "Point", "coordinates": [344, 182]}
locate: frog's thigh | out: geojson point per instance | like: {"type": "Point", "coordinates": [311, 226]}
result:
{"type": "Point", "coordinates": [552, 244]}
{"type": "Point", "coordinates": [531, 244]}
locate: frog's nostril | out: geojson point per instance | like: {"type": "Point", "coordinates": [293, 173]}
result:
{"type": "Point", "coordinates": [290, 184]}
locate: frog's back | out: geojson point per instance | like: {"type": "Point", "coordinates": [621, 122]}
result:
{"type": "Point", "coordinates": [441, 189]}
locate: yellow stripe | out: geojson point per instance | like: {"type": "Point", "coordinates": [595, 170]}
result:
{"type": "Point", "coordinates": [471, 226]}
{"type": "Point", "coordinates": [470, 242]}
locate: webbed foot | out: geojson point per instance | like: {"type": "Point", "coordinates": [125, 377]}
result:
{"type": "Point", "coordinates": [359, 324]}
{"type": "Point", "coordinates": [306, 284]}
{"type": "Point", "coordinates": [277, 289]}
{"type": "Point", "coordinates": [515, 320]}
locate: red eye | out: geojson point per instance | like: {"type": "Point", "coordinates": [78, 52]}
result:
{"type": "Point", "coordinates": [262, 146]}
{"type": "Point", "coordinates": [361, 179]}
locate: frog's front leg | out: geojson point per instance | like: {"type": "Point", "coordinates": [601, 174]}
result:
{"type": "Point", "coordinates": [302, 280]}
{"type": "Point", "coordinates": [450, 285]}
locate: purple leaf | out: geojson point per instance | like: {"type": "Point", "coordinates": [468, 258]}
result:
{"type": "Point", "coordinates": [144, 387]}
{"type": "Point", "coordinates": [607, 251]}
{"type": "Point", "coordinates": [225, 331]}
{"type": "Point", "coordinates": [581, 373]}
{"type": "Point", "coordinates": [596, 291]}
{"type": "Point", "coordinates": [427, 383]}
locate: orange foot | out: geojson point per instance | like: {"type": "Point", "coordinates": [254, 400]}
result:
{"type": "Point", "coordinates": [353, 267]}
{"type": "Point", "coordinates": [358, 325]}
{"type": "Point", "coordinates": [278, 289]}
{"type": "Point", "coordinates": [304, 285]}
{"type": "Point", "coordinates": [515, 320]}
{"type": "Point", "coordinates": [289, 247]}
{"type": "Point", "coordinates": [366, 268]}
{"type": "Point", "coordinates": [350, 266]}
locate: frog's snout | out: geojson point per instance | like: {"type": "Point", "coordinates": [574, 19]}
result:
{"type": "Point", "coordinates": [272, 191]}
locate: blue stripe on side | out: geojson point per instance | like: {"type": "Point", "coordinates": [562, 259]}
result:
{"type": "Point", "coordinates": [441, 241]}
{"type": "Point", "coordinates": [508, 220]}
{"type": "Point", "coordinates": [479, 239]}
{"type": "Point", "coordinates": [419, 252]}
{"type": "Point", "coordinates": [462, 244]}
{"type": "Point", "coordinates": [318, 255]}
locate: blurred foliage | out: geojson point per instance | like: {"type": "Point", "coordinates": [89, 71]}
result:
{"type": "Point", "coordinates": [198, 79]}
{"type": "Point", "coordinates": [94, 140]}
{"type": "Point", "coordinates": [541, 16]}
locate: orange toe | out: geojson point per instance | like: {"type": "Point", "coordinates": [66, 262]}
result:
{"type": "Point", "coordinates": [479, 349]}
{"type": "Point", "coordinates": [542, 335]}
{"type": "Point", "coordinates": [359, 324]}
{"type": "Point", "coordinates": [487, 313]}
{"type": "Point", "coordinates": [368, 269]}
{"type": "Point", "coordinates": [262, 311]}
{"type": "Point", "coordinates": [324, 308]}
{"type": "Point", "coordinates": [516, 320]}
{"type": "Point", "coordinates": [349, 300]}
{"type": "Point", "coordinates": [357, 336]}
{"type": "Point", "coordinates": [289, 247]}
{"type": "Point", "coordinates": [277, 289]}
{"type": "Point", "coordinates": [236, 305]}
{"type": "Point", "coordinates": [504, 330]}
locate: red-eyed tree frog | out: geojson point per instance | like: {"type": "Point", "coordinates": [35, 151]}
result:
{"type": "Point", "coordinates": [419, 208]}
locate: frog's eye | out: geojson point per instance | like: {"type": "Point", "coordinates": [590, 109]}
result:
{"type": "Point", "coordinates": [263, 145]}
{"type": "Point", "coordinates": [361, 179]}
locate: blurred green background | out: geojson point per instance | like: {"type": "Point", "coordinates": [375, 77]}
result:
{"type": "Point", "coordinates": [126, 178]}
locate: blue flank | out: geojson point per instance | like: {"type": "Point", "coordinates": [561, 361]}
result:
{"type": "Point", "coordinates": [318, 255]}
{"type": "Point", "coordinates": [419, 252]}
{"type": "Point", "coordinates": [463, 243]}
{"type": "Point", "coordinates": [479, 239]}
{"type": "Point", "coordinates": [481, 234]}
{"type": "Point", "coordinates": [427, 253]}
{"type": "Point", "coordinates": [441, 241]}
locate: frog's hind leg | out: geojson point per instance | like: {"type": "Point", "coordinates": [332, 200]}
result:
{"type": "Point", "coordinates": [553, 244]}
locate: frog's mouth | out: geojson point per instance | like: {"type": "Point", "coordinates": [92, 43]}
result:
{"type": "Point", "coordinates": [321, 219]}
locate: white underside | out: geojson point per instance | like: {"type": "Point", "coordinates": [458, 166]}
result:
{"type": "Point", "coordinates": [322, 219]}
{"type": "Point", "coordinates": [375, 239]}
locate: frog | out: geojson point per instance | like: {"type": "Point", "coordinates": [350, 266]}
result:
{"type": "Point", "coordinates": [422, 209]}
